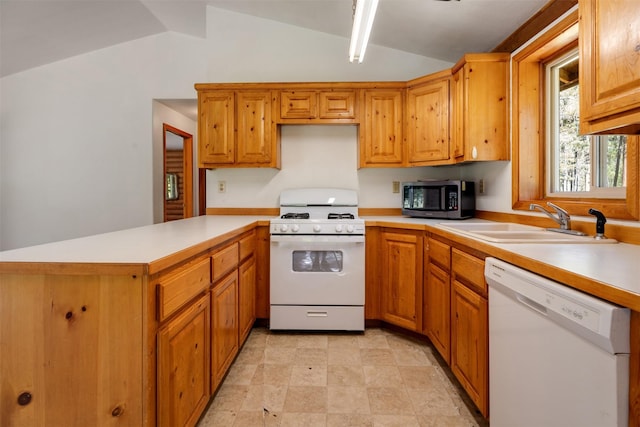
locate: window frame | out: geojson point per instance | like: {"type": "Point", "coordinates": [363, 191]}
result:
{"type": "Point", "coordinates": [529, 148]}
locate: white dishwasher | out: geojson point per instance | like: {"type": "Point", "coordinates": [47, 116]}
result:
{"type": "Point", "coordinates": [557, 356]}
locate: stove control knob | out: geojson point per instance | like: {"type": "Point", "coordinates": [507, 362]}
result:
{"type": "Point", "coordinates": [317, 228]}
{"type": "Point", "coordinates": [295, 228]}
{"type": "Point", "coordinates": [339, 228]}
{"type": "Point", "coordinates": [283, 227]}
{"type": "Point", "coordinates": [350, 228]}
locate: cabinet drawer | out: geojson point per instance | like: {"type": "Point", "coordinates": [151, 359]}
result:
{"type": "Point", "coordinates": [247, 245]}
{"type": "Point", "coordinates": [181, 285]}
{"type": "Point", "coordinates": [469, 270]}
{"type": "Point", "coordinates": [440, 254]}
{"type": "Point", "coordinates": [298, 105]}
{"type": "Point", "coordinates": [223, 261]}
{"type": "Point", "coordinates": [338, 105]}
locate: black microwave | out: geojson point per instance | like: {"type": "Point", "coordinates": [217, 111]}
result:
{"type": "Point", "coordinates": [451, 199]}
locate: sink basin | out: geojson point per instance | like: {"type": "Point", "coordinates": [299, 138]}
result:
{"type": "Point", "coordinates": [505, 232]}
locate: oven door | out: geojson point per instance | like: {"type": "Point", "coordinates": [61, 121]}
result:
{"type": "Point", "coordinates": [317, 270]}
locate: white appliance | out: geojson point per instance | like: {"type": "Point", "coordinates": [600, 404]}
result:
{"type": "Point", "coordinates": [317, 261]}
{"type": "Point", "coordinates": [557, 357]}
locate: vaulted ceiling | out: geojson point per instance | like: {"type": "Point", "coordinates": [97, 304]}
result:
{"type": "Point", "coordinates": [37, 32]}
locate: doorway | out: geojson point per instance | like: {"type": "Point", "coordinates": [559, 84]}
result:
{"type": "Point", "coordinates": [178, 175]}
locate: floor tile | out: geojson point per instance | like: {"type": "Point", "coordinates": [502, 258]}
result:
{"type": "Point", "coordinates": [306, 399]}
{"type": "Point", "coordinates": [315, 375]}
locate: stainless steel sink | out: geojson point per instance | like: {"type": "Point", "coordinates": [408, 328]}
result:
{"type": "Point", "coordinates": [506, 232]}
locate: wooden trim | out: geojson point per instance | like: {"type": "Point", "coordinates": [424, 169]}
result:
{"type": "Point", "coordinates": [72, 269]}
{"type": "Point", "coordinates": [187, 167]}
{"type": "Point", "coordinates": [634, 371]}
{"type": "Point", "coordinates": [541, 19]}
{"type": "Point", "coordinates": [379, 211]}
{"type": "Point", "coordinates": [287, 86]}
{"type": "Point", "coordinates": [244, 211]}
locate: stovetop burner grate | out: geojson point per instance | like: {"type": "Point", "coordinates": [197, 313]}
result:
{"type": "Point", "coordinates": [295, 215]}
{"type": "Point", "coordinates": [341, 216]}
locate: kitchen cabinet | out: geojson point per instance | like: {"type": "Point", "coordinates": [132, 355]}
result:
{"type": "Point", "coordinates": [437, 296]}
{"type": "Point", "coordinates": [381, 129]}
{"type": "Point", "coordinates": [428, 124]}
{"type": "Point", "coordinates": [401, 278]}
{"type": "Point", "coordinates": [183, 366]}
{"type": "Point", "coordinates": [318, 106]}
{"type": "Point", "coordinates": [237, 129]}
{"type": "Point", "coordinates": [224, 326]}
{"type": "Point", "coordinates": [246, 286]}
{"type": "Point", "coordinates": [481, 107]}
{"type": "Point", "coordinates": [609, 68]}
{"type": "Point", "coordinates": [470, 327]}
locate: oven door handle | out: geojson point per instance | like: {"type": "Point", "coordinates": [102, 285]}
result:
{"type": "Point", "coordinates": [317, 238]}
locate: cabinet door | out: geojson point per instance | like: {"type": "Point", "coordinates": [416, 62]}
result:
{"type": "Point", "coordinates": [338, 104]}
{"type": "Point", "coordinates": [246, 297]}
{"type": "Point", "coordinates": [469, 343]}
{"type": "Point", "coordinates": [401, 299]}
{"type": "Point", "coordinates": [437, 313]}
{"type": "Point", "coordinates": [428, 123]}
{"type": "Point", "coordinates": [216, 128]}
{"type": "Point", "coordinates": [457, 119]}
{"type": "Point", "coordinates": [381, 130]}
{"type": "Point", "coordinates": [256, 137]}
{"type": "Point", "coordinates": [298, 104]}
{"type": "Point", "coordinates": [183, 366]}
{"type": "Point", "coordinates": [224, 326]}
{"type": "Point", "coordinates": [609, 66]}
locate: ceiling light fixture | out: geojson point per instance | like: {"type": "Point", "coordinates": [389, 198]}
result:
{"type": "Point", "coordinates": [363, 13]}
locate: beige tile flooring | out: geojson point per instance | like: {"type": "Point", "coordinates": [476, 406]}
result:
{"type": "Point", "coordinates": [376, 378]}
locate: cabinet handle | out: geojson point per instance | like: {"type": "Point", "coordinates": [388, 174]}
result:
{"type": "Point", "coordinates": [317, 314]}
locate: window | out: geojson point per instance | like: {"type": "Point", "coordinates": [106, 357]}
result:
{"type": "Point", "coordinates": [578, 165]}
{"type": "Point", "coordinates": [551, 164]}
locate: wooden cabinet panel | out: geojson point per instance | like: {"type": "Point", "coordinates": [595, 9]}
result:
{"type": "Point", "coordinates": [338, 105]}
{"type": "Point", "coordinates": [428, 122]}
{"type": "Point", "coordinates": [437, 313]}
{"type": "Point", "coordinates": [482, 106]}
{"type": "Point", "coordinates": [469, 343]}
{"type": "Point", "coordinates": [178, 287]}
{"type": "Point", "coordinates": [224, 326]}
{"type": "Point", "coordinates": [439, 253]}
{"type": "Point", "coordinates": [469, 270]}
{"type": "Point", "coordinates": [255, 129]}
{"type": "Point", "coordinates": [609, 66]}
{"type": "Point", "coordinates": [263, 247]}
{"type": "Point", "coordinates": [183, 366]}
{"type": "Point", "coordinates": [246, 297]}
{"type": "Point", "coordinates": [298, 104]}
{"type": "Point", "coordinates": [216, 135]}
{"type": "Point", "coordinates": [247, 245]}
{"type": "Point", "coordinates": [223, 261]}
{"type": "Point", "coordinates": [401, 295]}
{"type": "Point", "coordinates": [381, 136]}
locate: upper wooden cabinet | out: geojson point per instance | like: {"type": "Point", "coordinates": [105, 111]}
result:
{"type": "Point", "coordinates": [609, 66]}
{"type": "Point", "coordinates": [481, 107]}
{"type": "Point", "coordinates": [317, 106]}
{"type": "Point", "coordinates": [380, 133]}
{"type": "Point", "coordinates": [428, 124]}
{"type": "Point", "coordinates": [237, 129]}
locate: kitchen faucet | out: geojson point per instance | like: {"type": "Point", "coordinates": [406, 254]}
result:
{"type": "Point", "coordinates": [563, 218]}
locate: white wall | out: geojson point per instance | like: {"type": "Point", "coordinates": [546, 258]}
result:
{"type": "Point", "coordinates": [77, 149]}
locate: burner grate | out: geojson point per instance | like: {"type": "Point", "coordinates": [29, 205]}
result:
{"type": "Point", "coordinates": [341, 216]}
{"type": "Point", "coordinates": [295, 215]}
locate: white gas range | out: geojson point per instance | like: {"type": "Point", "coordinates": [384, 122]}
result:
{"type": "Point", "coordinates": [317, 261]}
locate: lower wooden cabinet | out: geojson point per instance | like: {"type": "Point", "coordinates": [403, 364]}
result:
{"type": "Point", "coordinates": [246, 297]}
{"type": "Point", "coordinates": [183, 366]}
{"type": "Point", "coordinates": [436, 305]}
{"type": "Point", "coordinates": [401, 278]}
{"type": "Point", "coordinates": [224, 326]}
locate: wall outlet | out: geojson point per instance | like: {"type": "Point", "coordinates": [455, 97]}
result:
{"type": "Point", "coordinates": [396, 186]}
{"type": "Point", "coordinates": [222, 186]}
{"type": "Point", "coordinates": [481, 188]}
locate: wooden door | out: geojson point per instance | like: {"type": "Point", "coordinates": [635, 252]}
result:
{"type": "Point", "coordinates": [428, 122]}
{"type": "Point", "coordinates": [437, 313]}
{"type": "Point", "coordinates": [609, 66]}
{"type": "Point", "coordinates": [178, 160]}
{"type": "Point", "coordinates": [469, 343]}
{"type": "Point", "coordinates": [401, 298]}
{"type": "Point", "coordinates": [224, 326]}
{"type": "Point", "coordinates": [216, 136]}
{"type": "Point", "coordinates": [183, 366]}
{"type": "Point", "coordinates": [255, 140]}
{"type": "Point", "coordinates": [381, 142]}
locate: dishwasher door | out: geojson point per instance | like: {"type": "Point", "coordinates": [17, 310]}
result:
{"type": "Point", "coordinates": [557, 357]}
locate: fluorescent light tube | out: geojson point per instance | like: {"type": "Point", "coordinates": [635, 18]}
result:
{"type": "Point", "coordinates": [362, 23]}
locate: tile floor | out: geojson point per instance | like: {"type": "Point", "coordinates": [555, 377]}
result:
{"type": "Point", "coordinates": [379, 378]}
